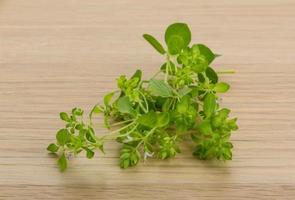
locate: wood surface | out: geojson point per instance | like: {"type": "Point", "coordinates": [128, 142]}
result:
{"type": "Point", "coordinates": [57, 54]}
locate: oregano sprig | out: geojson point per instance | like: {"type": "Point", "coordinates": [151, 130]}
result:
{"type": "Point", "coordinates": [151, 117]}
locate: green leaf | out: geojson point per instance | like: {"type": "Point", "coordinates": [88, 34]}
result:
{"type": "Point", "coordinates": [201, 77]}
{"type": "Point", "coordinates": [52, 148]}
{"type": "Point", "coordinates": [96, 110]}
{"type": "Point", "coordinates": [224, 112]}
{"type": "Point", "coordinates": [183, 105]}
{"type": "Point", "coordinates": [62, 136]}
{"type": "Point", "coordinates": [205, 127]}
{"type": "Point", "coordinates": [205, 51]}
{"type": "Point", "coordinates": [221, 87]}
{"type": "Point", "coordinates": [89, 153]}
{"type": "Point", "coordinates": [77, 111]}
{"type": "Point", "coordinates": [217, 121]}
{"type": "Point", "coordinates": [149, 119]}
{"type": "Point", "coordinates": [209, 104]}
{"type": "Point", "coordinates": [157, 45]}
{"type": "Point", "coordinates": [200, 66]}
{"type": "Point", "coordinates": [62, 163]}
{"type": "Point", "coordinates": [64, 116]}
{"type": "Point", "coordinates": [137, 74]}
{"type": "Point", "coordinates": [184, 91]}
{"type": "Point", "coordinates": [232, 123]}
{"type": "Point", "coordinates": [177, 37]}
{"type": "Point", "coordinates": [129, 156]}
{"type": "Point", "coordinates": [212, 75]}
{"type": "Point", "coordinates": [107, 98]}
{"type": "Point", "coordinates": [163, 119]}
{"type": "Point", "coordinates": [90, 135]}
{"type": "Point", "coordinates": [159, 88]}
{"type": "Point", "coordinates": [124, 105]}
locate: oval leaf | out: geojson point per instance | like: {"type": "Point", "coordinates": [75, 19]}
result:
{"type": "Point", "coordinates": [62, 136]}
{"type": "Point", "coordinates": [137, 74]}
{"type": "Point", "coordinates": [107, 98]}
{"type": "Point", "coordinates": [64, 116]}
{"type": "Point", "coordinates": [205, 127]}
{"type": "Point", "coordinates": [221, 87]}
{"type": "Point", "coordinates": [163, 119]}
{"type": "Point", "coordinates": [62, 163]}
{"type": "Point", "coordinates": [89, 153]}
{"type": "Point", "coordinates": [159, 88]}
{"type": "Point", "coordinates": [205, 51]}
{"type": "Point", "coordinates": [149, 119]}
{"type": "Point", "coordinates": [124, 105]}
{"type": "Point", "coordinates": [52, 148]}
{"type": "Point", "coordinates": [209, 104]}
{"type": "Point", "coordinates": [211, 74]}
{"type": "Point", "coordinates": [177, 37]}
{"type": "Point", "coordinates": [154, 43]}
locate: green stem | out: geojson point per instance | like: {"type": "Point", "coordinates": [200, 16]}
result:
{"type": "Point", "coordinates": [226, 72]}
{"type": "Point", "coordinates": [145, 137]}
{"type": "Point", "coordinates": [142, 107]}
{"type": "Point", "coordinates": [167, 67]}
{"type": "Point", "coordinates": [117, 135]}
{"type": "Point", "coordinates": [122, 122]}
{"type": "Point", "coordinates": [145, 101]}
{"type": "Point", "coordinates": [156, 74]}
{"type": "Point", "coordinates": [117, 131]}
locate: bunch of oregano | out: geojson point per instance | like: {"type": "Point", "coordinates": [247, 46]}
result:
{"type": "Point", "coordinates": [150, 118]}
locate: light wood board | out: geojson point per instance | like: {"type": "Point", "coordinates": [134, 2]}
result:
{"type": "Point", "coordinates": [57, 54]}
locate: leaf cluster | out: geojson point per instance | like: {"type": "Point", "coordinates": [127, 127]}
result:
{"type": "Point", "coordinates": [151, 117]}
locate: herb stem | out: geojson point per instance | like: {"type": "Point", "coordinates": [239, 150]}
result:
{"type": "Point", "coordinates": [226, 72]}
{"type": "Point", "coordinates": [120, 123]}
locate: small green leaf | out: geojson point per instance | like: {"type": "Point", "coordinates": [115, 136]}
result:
{"type": "Point", "coordinates": [107, 98]}
{"type": "Point", "coordinates": [137, 74]}
{"type": "Point", "coordinates": [183, 105]}
{"type": "Point", "coordinates": [201, 77]}
{"type": "Point", "coordinates": [184, 91]}
{"type": "Point", "coordinates": [212, 75]}
{"type": "Point", "coordinates": [62, 136]}
{"type": "Point", "coordinates": [224, 112]}
{"type": "Point", "coordinates": [159, 88]}
{"type": "Point", "coordinates": [64, 116]}
{"type": "Point", "coordinates": [209, 104]}
{"type": "Point", "coordinates": [77, 111]}
{"type": "Point", "coordinates": [89, 153]}
{"type": "Point", "coordinates": [90, 135]}
{"type": "Point", "coordinates": [217, 121]}
{"type": "Point", "coordinates": [157, 45]}
{"type": "Point", "coordinates": [205, 127]}
{"type": "Point", "coordinates": [96, 110]}
{"type": "Point", "coordinates": [52, 148]}
{"type": "Point", "coordinates": [205, 51]}
{"type": "Point", "coordinates": [163, 119]}
{"type": "Point", "coordinates": [62, 163]}
{"type": "Point", "coordinates": [199, 66]}
{"type": "Point", "coordinates": [232, 123]}
{"type": "Point", "coordinates": [124, 105]}
{"type": "Point", "coordinates": [177, 37]}
{"type": "Point", "coordinates": [149, 119]}
{"type": "Point", "coordinates": [221, 87]}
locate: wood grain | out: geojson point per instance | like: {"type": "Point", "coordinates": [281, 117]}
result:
{"type": "Point", "coordinates": [58, 54]}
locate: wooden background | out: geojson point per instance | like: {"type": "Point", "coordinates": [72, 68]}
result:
{"type": "Point", "coordinates": [57, 54]}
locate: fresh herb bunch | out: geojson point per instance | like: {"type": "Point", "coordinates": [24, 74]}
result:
{"type": "Point", "coordinates": [153, 116]}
